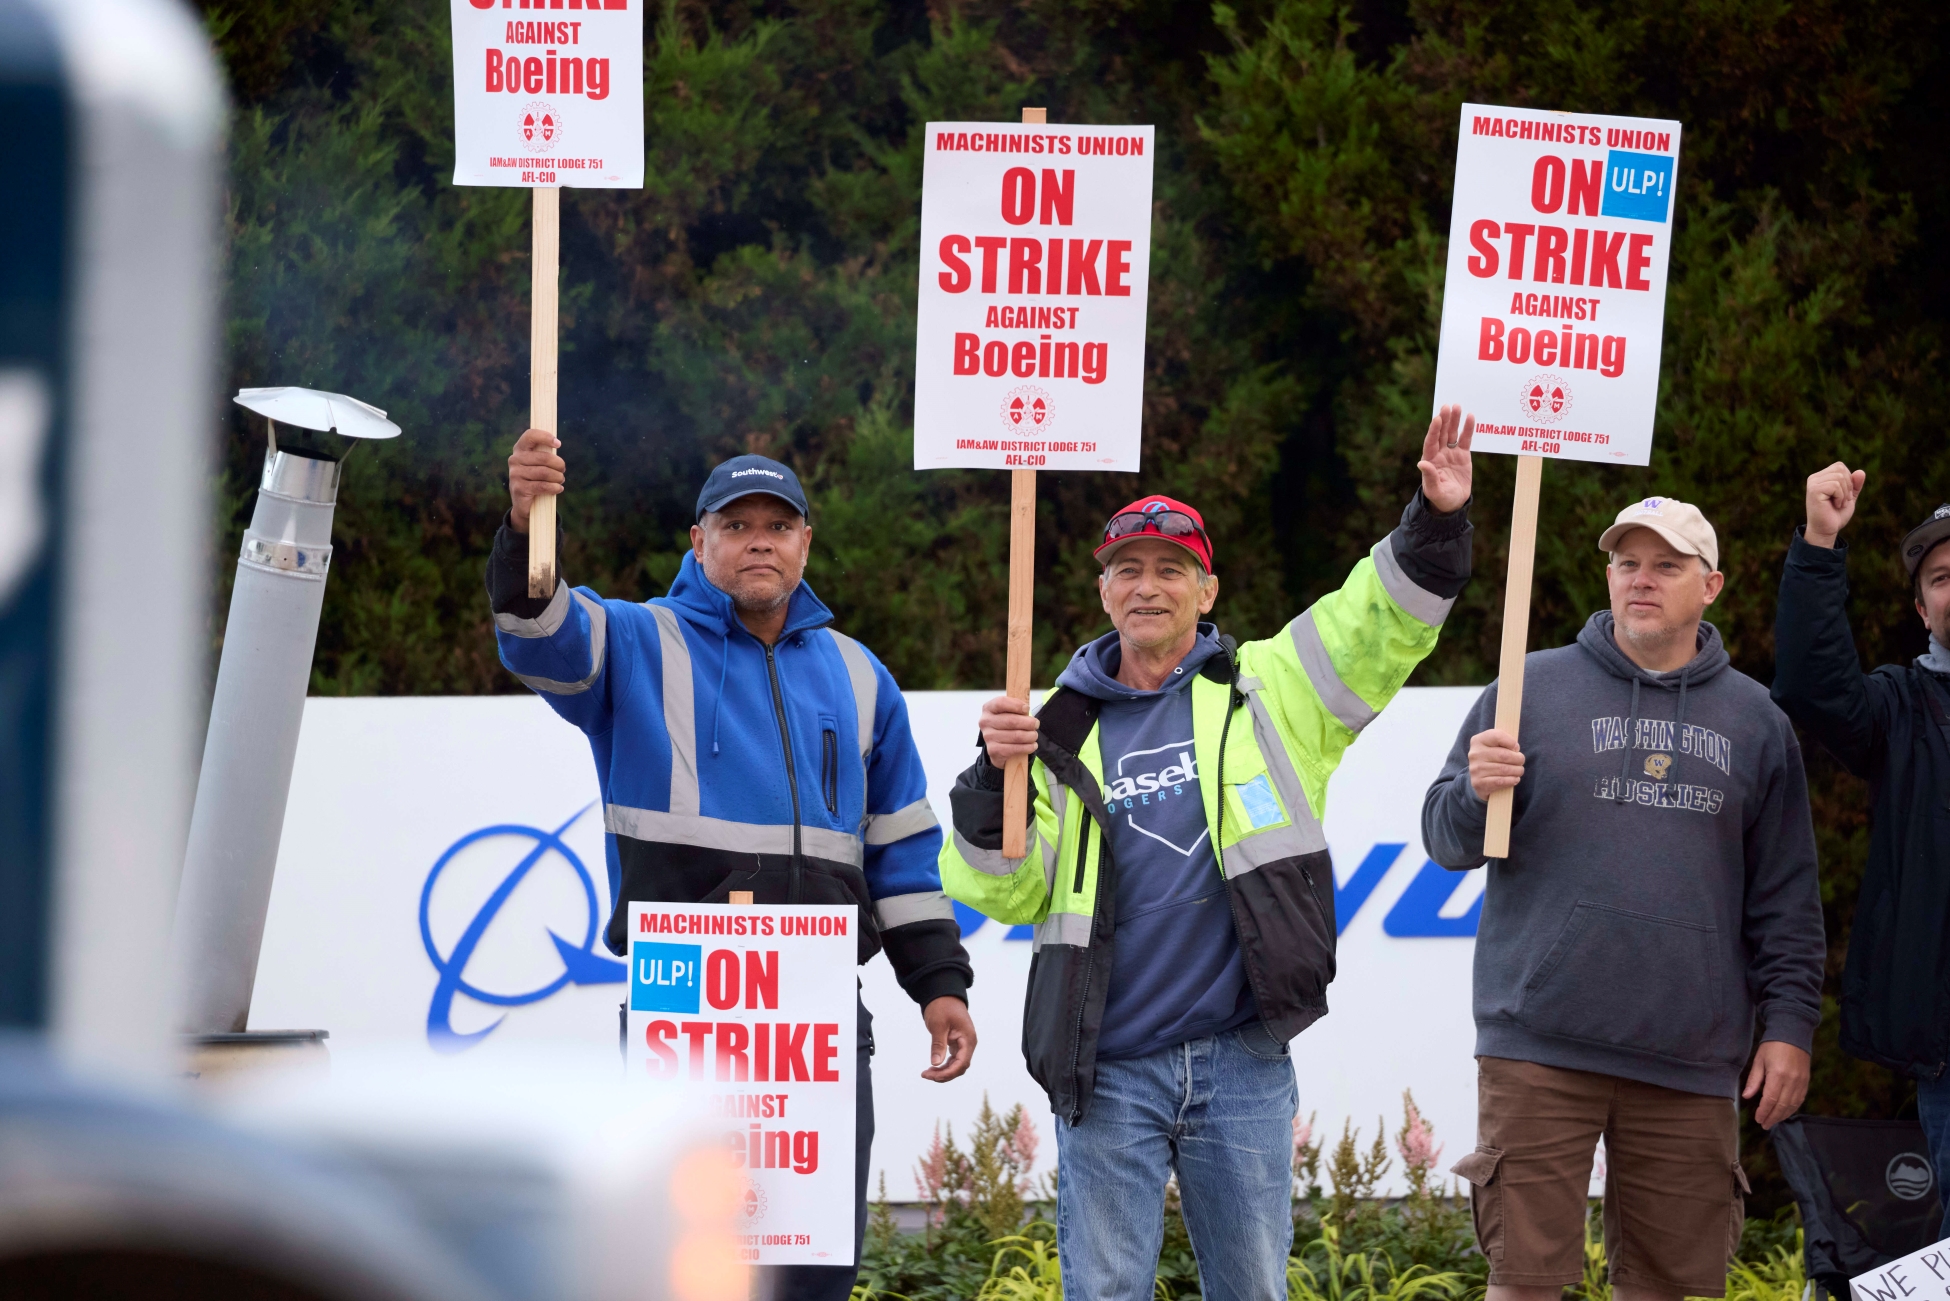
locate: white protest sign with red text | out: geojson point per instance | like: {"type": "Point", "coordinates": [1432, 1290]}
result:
{"type": "Point", "coordinates": [756, 1006]}
{"type": "Point", "coordinates": [548, 96]}
{"type": "Point", "coordinates": [1556, 292]}
{"type": "Point", "coordinates": [1922, 1275]}
{"type": "Point", "coordinates": [1035, 266]}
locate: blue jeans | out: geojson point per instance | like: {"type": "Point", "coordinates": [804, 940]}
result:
{"type": "Point", "coordinates": [1933, 1109]}
{"type": "Point", "coordinates": [1219, 1112]}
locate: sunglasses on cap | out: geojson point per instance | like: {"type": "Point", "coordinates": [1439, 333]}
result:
{"type": "Point", "coordinates": [1171, 523]}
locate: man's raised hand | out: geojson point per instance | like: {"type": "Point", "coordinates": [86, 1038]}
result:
{"type": "Point", "coordinates": [1831, 502]}
{"type": "Point", "coordinates": [535, 470]}
{"type": "Point", "coordinates": [1008, 729]}
{"type": "Point", "coordinates": [1445, 459]}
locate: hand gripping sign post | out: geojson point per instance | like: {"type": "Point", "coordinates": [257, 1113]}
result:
{"type": "Point", "coordinates": [1029, 343]}
{"type": "Point", "coordinates": [545, 98]}
{"type": "Point", "coordinates": [756, 1006]}
{"type": "Point", "coordinates": [1552, 315]}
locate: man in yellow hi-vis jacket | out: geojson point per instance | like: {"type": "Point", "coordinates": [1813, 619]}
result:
{"type": "Point", "coordinates": [1167, 980]}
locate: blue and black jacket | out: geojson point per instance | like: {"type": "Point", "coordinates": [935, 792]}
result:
{"type": "Point", "coordinates": [726, 764]}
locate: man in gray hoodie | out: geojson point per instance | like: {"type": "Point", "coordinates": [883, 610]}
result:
{"type": "Point", "coordinates": [1659, 904]}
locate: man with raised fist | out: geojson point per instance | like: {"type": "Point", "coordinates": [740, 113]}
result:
{"type": "Point", "coordinates": [1892, 728]}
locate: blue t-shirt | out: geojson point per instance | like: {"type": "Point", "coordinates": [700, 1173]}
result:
{"type": "Point", "coordinates": [1176, 971]}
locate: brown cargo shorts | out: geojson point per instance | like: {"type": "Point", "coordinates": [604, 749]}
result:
{"type": "Point", "coordinates": [1673, 1183]}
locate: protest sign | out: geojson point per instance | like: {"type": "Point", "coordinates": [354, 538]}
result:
{"type": "Point", "coordinates": [1920, 1276]}
{"type": "Point", "coordinates": [542, 103]}
{"type": "Point", "coordinates": [1035, 262]}
{"type": "Point", "coordinates": [756, 1006]}
{"type": "Point", "coordinates": [1029, 337]}
{"type": "Point", "coordinates": [1555, 297]}
{"type": "Point", "coordinates": [548, 97]}
{"type": "Point", "coordinates": [1553, 310]}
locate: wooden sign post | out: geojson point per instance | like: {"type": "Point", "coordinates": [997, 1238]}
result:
{"type": "Point", "coordinates": [1022, 616]}
{"type": "Point", "coordinates": [1553, 311]}
{"type": "Point", "coordinates": [1029, 338]}
{"type": "Point", "coordinates": [543, 106]}
{"type": "Point", "coordinates": [543, 342]}
{"type": "Point", "coordinates": [1516, 639]}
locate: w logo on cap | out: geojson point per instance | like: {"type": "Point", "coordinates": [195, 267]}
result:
{"type": "Point", "coordinates": [1653, 505]}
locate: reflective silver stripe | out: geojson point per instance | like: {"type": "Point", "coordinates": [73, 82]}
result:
{"type": "Point", "coordinates": [1420, 602]}
{"type": "Point", "coordinates": [866, 687]}
{"type": "Point", "coordinates": [1352, 711]}
{"type": "Point", "coordinates": [1063, 928]}
{"type": "Point", "coordinates": [1303, 834]}
{"type": "Point", "coordinates": [598, 642]}
{"type": "Point", "coordinates": [738, 837]}
{"type": "Point", "coordinates": [1059, 798]}
{"type": "Point", "coordinates": [680, 712]}
{"type": "Point", "coordinates": [901, 909]}
{"type": "Point", "coordinates": [886, 828]}
{"type": "Point", "coordinates": [544, 624]}
{"type": "Point", "coordinates": [1279, 764]}
{"type": "Point", "coordinates": [1264, 847]}
{"type": "Point", "coordinates": [989, 862]}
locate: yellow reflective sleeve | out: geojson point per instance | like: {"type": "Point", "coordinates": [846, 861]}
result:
{"type": "Point", "coordinates": [1327, 674]}
{"type": "Point", "coordinates": [1015, 892]}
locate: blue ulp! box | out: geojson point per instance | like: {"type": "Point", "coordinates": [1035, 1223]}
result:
{"type": "Point", "coordinates": [663, 977]}
{"type": "Point", "coordinates": [1638, 186]}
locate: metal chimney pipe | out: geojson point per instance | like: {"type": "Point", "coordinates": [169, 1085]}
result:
{"type": "Point", "coordinates": [253, 740]}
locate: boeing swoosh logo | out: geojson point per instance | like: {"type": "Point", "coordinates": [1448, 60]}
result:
{"type": "Point", "coordinates": [581, 964]}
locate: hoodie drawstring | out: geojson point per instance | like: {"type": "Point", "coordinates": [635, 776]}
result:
{"type": "Point", "coordinates": [1625, 765]}
{"type": "Point", "coordinates": [1679, 728]}
{"type": "Point", "coordinates": [717, 705]}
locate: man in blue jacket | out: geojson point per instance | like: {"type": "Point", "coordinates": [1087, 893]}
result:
{"type": "Point", "coordinates": [1892, 728]}
{"type": "Point", "coordinates": [742, 743]}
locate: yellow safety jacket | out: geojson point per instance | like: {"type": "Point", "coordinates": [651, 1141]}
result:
{"type": "Point", "coordinates": [1271, 718]}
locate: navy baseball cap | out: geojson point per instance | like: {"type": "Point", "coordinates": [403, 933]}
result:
{"type": "Point", "coordinates": [742, 476]}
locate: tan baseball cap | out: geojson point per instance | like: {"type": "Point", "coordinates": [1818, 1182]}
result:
{"type": "Point", "coordinates": [1674, 520]}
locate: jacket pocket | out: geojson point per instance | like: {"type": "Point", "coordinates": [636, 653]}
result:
{"type": "Point", "coordinates": [1630, 980]}
{"type": "Point", "coordinates": [829, 762]}
{"type": "Point", "coordinates": [1251, 803]}
{"type": "Point", "coordinates": [1480, 1168]}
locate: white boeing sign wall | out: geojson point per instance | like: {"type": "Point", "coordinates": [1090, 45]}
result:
{"type": "Point", "coordinates": [441, 882]}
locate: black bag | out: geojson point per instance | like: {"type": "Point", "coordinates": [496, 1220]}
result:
{"type": "Point", "coordinates": [1866, 1190]}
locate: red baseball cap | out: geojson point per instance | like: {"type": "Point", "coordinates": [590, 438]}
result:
{"type": "Point", "coordinates": [1157, 517]}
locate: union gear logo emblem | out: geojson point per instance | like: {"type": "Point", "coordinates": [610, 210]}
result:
{"type": "Point", "coordinates": [1028, 409]}
{"type": "Point", "coordinates": [541, 126]}
{"type": "Point", "coordinates": [1657, 766]}
{"type": "Point", "coordinates": [755, 1203]}
{"type": "Point", "coordinates": [1545, 399]}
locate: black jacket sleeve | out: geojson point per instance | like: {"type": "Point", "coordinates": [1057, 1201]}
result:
{"type": "Point", "coordinates": [507, 576]}
{"type": "Point", "coordinates": [975, 804]}
{"type": "Point", "coordinates": [1818, 677]}
{"type": "Point", "coordinates": [1434, 549]}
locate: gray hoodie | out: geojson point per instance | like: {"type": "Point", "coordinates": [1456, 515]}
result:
{"type": "Point", "coordinates": [1660, 891]}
